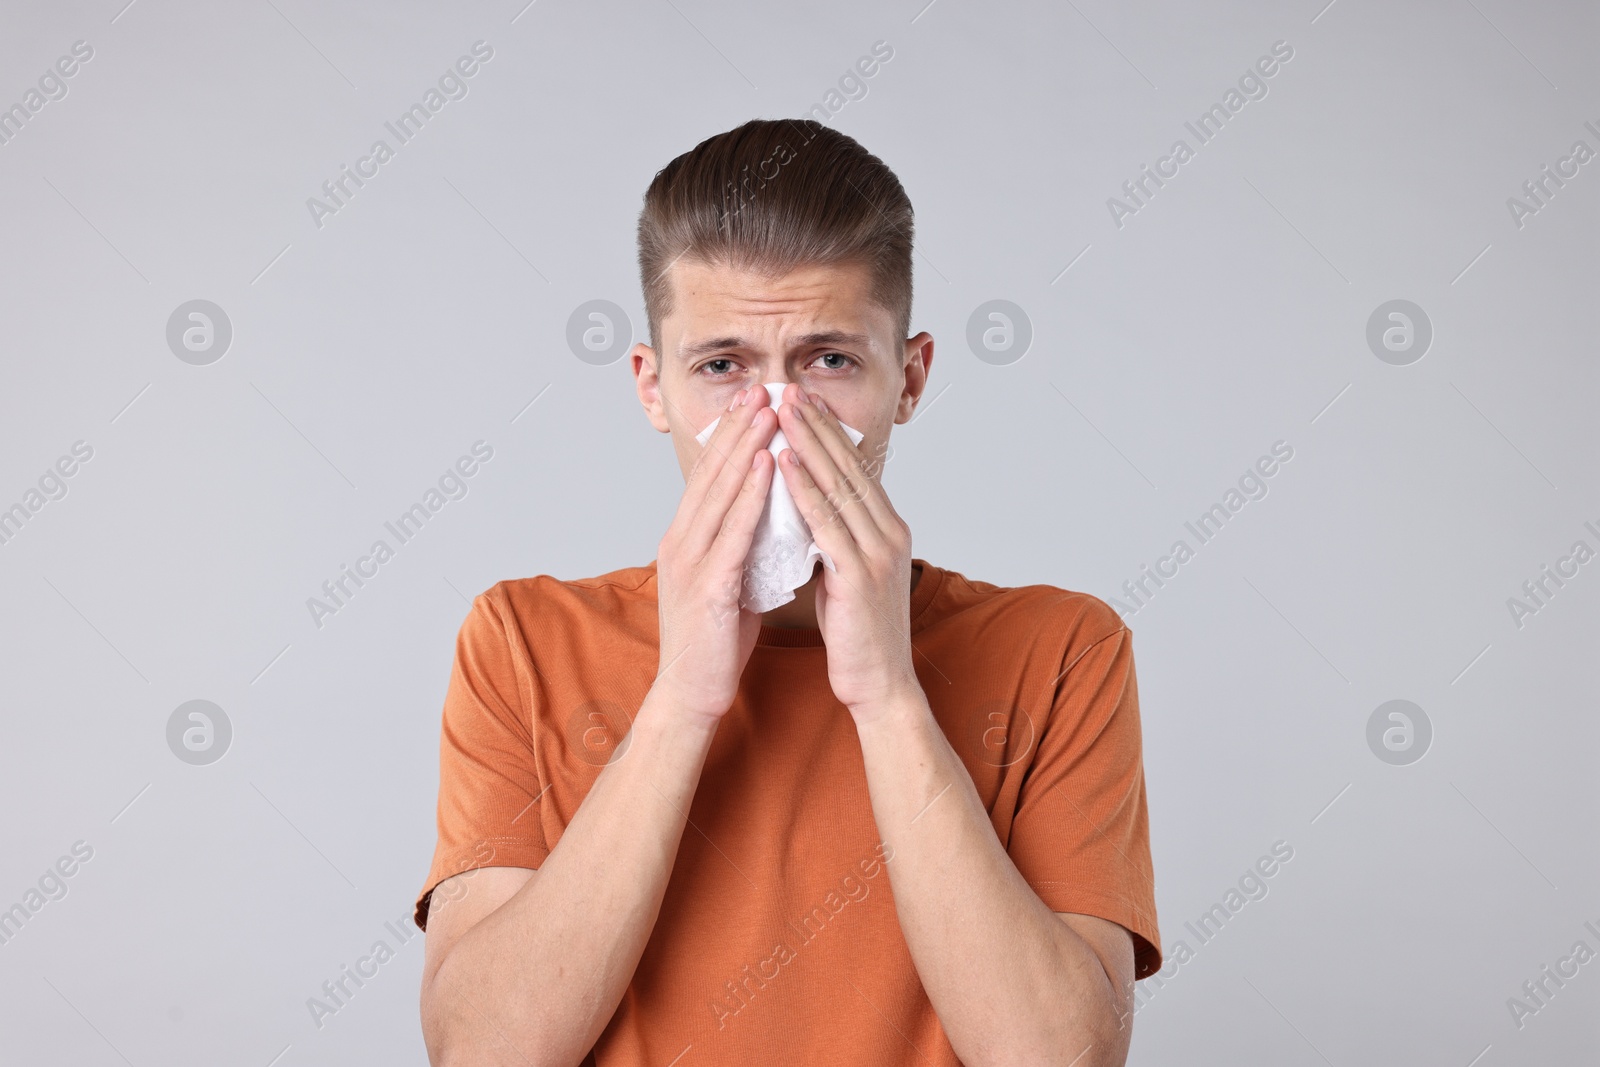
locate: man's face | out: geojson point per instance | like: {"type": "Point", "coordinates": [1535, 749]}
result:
{"type": "Point", "coordinates": [816, 326]}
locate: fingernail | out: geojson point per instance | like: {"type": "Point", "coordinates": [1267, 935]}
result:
{"type": "Point", "coordinates": [747, 396]}
{"type": "Point", "coordinates": [822, 406]}
{"type": "Point", "coordinates": [736, 398]}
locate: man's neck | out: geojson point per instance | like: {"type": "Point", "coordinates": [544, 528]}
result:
{"type": "Point", "coordinates": [801, 612]}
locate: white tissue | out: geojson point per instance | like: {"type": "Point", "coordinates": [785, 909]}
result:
{"type": "Point", "coordinates": [782, 554]}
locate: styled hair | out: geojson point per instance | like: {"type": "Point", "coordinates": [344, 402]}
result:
{"type": "Point", "coordinates": [770, 196]}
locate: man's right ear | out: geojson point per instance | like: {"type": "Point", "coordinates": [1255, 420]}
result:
{"type": "Point", "coordinates": [648, 384]}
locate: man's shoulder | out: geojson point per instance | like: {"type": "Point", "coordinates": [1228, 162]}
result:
{"type": "Point", "coordinates": [1037, 607]}
{"type": "Point", "coordinates": [614, 595]}
{"type": "Point", "coordinates": [622, 582]}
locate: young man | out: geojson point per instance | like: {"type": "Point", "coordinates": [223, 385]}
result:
{"type": "Point", "coordinates": [898, 820]}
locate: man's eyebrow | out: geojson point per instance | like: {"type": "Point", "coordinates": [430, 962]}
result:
{"type": "Point", "coordinates": [704, 348]}
{"type": "Point", "coordinates": [697, 349]}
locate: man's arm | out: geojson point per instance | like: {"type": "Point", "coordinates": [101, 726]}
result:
{"type": "Point", "coordinates": [533, 980]}
{"type": "Point", "coordinates": [526, 968]}
{"type": "Point", "coordinates": [1011, 981]}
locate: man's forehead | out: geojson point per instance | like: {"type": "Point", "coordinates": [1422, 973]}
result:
{"type": "Point", "coordinates": [717, 308]}
{"type": "Point", "coordinates": [750, 282]}
{"type": "Point", "coordinates": [716, 301]}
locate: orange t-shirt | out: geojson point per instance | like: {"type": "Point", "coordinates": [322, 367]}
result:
{"type": "Point", "coordinates": [777, 940]}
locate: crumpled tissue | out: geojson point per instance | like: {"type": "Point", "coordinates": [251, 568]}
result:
{"type": "Point", "coordinates": [782, 554]}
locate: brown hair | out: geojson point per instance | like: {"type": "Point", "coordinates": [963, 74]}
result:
{"type": "Point", "coordinates": [770, 196]}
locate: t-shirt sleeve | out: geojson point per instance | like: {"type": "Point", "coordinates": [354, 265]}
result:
{"type": "Point", "coordinates": [1081, 834]}
{"type": "Point", "coordinates": [488, 778]}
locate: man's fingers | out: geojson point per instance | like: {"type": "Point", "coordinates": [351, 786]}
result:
{"type": "Point", "coordinates": [714, 454]}
{"type": "Point", "coordinates": [704, 523]}
{"type": "Point", "coordinates": [847, 457]}
{"type": "Point", "coordinates": [837, 474]}
{"type": "Point", "coordinates": [828, 527]}
{"type": "Point", "coordinates": [738, 527]}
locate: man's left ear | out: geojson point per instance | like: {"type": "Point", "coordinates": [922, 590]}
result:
{"type": "Point", "coordinates": [918, 358]}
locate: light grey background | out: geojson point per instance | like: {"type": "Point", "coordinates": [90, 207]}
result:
{"type": "Point", "coordinates": [1168, 354]}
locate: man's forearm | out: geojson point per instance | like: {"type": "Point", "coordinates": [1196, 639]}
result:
{"type": "Point", "coordinates": [1010, 982]}
{"type": "Point", "coordinates": [536, 981]}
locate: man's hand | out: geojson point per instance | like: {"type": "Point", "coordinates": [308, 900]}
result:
{"type": "Point", "coordinates": [706, 636]}
{"type": "Point", "coordinates": [863, 607]}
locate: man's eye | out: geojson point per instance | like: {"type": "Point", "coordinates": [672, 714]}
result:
{"type": "Point", "coordinates": [836, 355]}
{"type": "Point", "coordinates": [712, 363]}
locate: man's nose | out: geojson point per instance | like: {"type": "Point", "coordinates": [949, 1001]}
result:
{"type": "Point", "coordinates": [775, 390]}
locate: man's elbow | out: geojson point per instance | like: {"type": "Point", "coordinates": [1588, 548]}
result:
{"type": "Point", "coordinates": [452, 1044]}
{"type": "Point", "coordinates": [1107, 1043]}
{"type": "Point", "coordinates": [1085, 1038]}
{"type": "Point", "coordinates": [456, 1034]}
